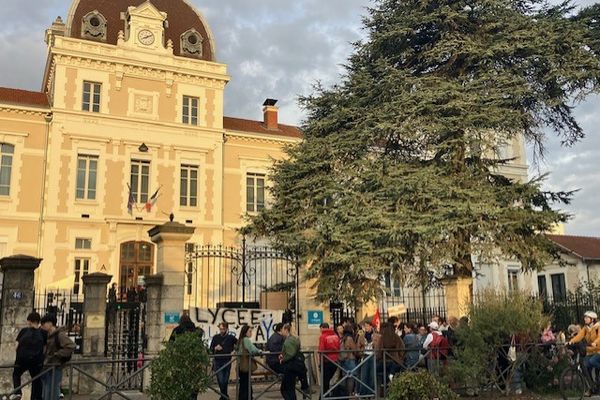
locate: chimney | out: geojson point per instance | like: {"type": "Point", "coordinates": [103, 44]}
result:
{"type": "Point", "coordinates": [270, 111]}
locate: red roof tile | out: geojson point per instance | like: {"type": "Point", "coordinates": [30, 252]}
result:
{"type": "Point", "coordinates": [584, 247]}
{"type": "Point", "coordinates": [246, 125]}
{"type": "Point", "coordinates": [25, 97]}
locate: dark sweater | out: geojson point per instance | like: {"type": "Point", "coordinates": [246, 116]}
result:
{"type": "Point", "coordinates": [227, 342]}
{"type": "Point", "coordinates": [274, 345]}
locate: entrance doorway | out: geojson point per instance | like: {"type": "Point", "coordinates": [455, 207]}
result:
{"type": "Point", "coordinates": [136, 261]}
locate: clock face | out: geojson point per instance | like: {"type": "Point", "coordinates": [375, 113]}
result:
{"type": "Point", "coordinates": [146, 37]}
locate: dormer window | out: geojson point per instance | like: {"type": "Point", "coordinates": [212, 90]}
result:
{"type": "Point", "coordinates": [94, 26]}
{"type": "Point", "coordinates": [191, 43]}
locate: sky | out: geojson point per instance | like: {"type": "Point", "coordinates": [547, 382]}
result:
{"type": "Point", "coordinates": [279, 49]}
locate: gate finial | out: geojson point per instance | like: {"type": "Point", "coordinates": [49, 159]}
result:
{"type": "Point", "coordinates": [171, 217]}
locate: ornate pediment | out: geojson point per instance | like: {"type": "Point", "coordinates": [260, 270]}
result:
{"type": "Point", "coordinates": [147, 10]}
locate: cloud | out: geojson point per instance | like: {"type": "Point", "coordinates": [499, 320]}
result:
{"type": "Point", "coordinates": [278, 49]}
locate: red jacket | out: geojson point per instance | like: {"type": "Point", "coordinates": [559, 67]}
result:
{"type": "Point", "coordinates": [329, 344]}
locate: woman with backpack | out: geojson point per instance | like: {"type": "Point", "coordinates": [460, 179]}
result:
{"type": "Point", "coordinates": [30, 357]}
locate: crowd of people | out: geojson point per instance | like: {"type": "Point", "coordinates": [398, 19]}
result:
{"type": "Point", "coordinates": [358, 353]}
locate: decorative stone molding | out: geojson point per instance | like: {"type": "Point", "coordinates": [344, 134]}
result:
{"type": "Point", "coordinates": [93, 26]}
{"type": "Point", "coordinates": [191, 43]}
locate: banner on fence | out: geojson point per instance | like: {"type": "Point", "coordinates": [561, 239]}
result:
{"type": "Point", "coordinates": [263, 321]}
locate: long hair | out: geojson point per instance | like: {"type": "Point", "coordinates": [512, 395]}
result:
{"type": "Point", "coordinates": [243, 333]}
{"type": "Point", "coordinates": [388, 335]}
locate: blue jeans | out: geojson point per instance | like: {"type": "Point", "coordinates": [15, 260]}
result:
{"type": "Point", "coordinates": [223, 378]}
{"type": "Point", "coordinates": [349, 367]}
{"type": "Point", "coordinates": [51, 381]}
{"type": "Point", "coordinates": [367, 376]}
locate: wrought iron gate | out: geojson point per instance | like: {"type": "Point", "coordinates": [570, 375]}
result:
{"type": "Point", "coordinates": [230, 276]}
{"type": "Point", "coordinates": [125, 342]}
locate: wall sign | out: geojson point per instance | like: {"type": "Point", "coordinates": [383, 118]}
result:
{"type": "Point", "coordinates": [171, 318]}
{"type": "Point", "coordinates": [315, 319]}
{"type": "Point", "coordinates": [16, 295]}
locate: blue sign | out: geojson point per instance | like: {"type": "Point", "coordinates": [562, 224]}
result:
{"type": "Point", "coordinates": [171, 318]}
{"type": "Point", "coordinates": [315, 319]}
{"type": "Point", "coordinates": [17, 295]}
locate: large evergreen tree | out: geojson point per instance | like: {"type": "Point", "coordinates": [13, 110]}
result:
{"type": "Point", "coordinates": [401, 169]}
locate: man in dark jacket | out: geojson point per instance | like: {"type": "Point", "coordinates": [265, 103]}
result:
{"type": "Point", "coordinates": [275, 345]}
{"type": "Point", "coordinates": [59, 349]}
{"type": "Point", "coordinates": [30, 357]}
{"type": "Point", "coordinates": [222, 345]}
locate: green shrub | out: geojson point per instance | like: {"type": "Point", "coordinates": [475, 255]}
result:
{"type": "Point", "coordinates": [493, 319]}
{"type": "Point", "coordinates": [180, 369]}
{"type": "Point", "coordinates": [419, 386]}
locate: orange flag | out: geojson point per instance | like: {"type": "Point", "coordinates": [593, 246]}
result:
{"type": "Point", "coordinates": [376, 320]}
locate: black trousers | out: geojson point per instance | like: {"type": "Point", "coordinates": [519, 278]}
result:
{"type": "Point", "coordinates": [292, 370]}
{"type": "Point", "coordinates": [34, 370]}
{"type": "Point", "coordinates": [329, 370]}
{"type": "Point", "coordinates": [245, 390]}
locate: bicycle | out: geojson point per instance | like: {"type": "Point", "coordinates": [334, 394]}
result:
{"type": "Point", "coordinates": [575, 381]}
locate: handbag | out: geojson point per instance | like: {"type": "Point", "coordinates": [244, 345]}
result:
{"type": "Point", "coordinates": [247, 362]}
{"type": "Point", "coordinates": [512, 350]}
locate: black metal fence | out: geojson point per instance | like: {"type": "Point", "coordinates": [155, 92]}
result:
{"type": "Point", "coordinates": [219, 275]}
{"type": "Point", "coordinates": [421, 305]}
{"type": "Point", "coordinates": [569, 309]}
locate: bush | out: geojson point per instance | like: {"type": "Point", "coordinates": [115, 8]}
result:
{"type": "Point", "coordinates": [481, 356]}
{"type": "Point", "coordinates": [419, 386]}
{"type": "Point", "coordinates": [180, 369]}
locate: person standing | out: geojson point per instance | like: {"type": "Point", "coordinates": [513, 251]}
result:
{"type": "Point", "coordinates": [275, 346]}
{"type": "Point", "coordinates": [412, 346]}
{"type": "Point", "coordinates": [59, 349]}
{"type": "Point", "coordinates": [246, 350]}
{"type": "Point", "coordinates": [292, 361]}
{"type": "Point", "coordinates": [348, 355]}
{"type": "Point", "coordinates": [329, 349]}
{"type": "Point", "coordinates": [222, 345]}
{"type": "Point", "coordinates": [29, 357]}
{"type": "Point", "coordinates": [437, 346]}
{"type": "Point", "coordinates": [367, 371]}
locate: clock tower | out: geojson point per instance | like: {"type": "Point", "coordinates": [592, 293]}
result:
{"type": "Point", "coordinates": [144, 28]}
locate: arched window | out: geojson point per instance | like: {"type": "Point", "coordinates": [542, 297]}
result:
{"type": "Point", "coordinates": [94, 26]}
{"type": "Point", "coordinates": [6, 158]}
{"type": "Point", "coordinates": [191, 43]}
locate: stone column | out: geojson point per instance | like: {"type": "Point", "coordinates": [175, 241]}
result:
{"type": "Point", "coordinates": [94, 312]}
{"type": "Point", "coordinates": [458, 296]}
{"type": "Point", "coordinates": [94, 331]}
{"type": "Point", "coordinates": [306, 298]}
{"type": "Point", "coordinates": [17, 303]}
{"type": "Point", "coordinates": [170, 239]}
{"type": "Point", "coordinates": [154, 328]}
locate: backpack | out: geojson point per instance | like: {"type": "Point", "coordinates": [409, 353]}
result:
{"type": "Point", "coordinates": [66, 359]}
{"type": "Point", "coordinates": [439, 347]}
{"type": "Point", "coordinates": [31, 346]}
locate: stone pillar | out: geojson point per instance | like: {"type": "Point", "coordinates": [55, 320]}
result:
{"type": "Point", "coordinates": [154, 328]}
{"type": "Point", "coordinates": [170, 239]}
{"type": "Point", "coordinates": [94, 312]}
{"type": "Point", "coordinates": [309, 336]}
{"type": "Point", "coordinates": [17, 303]}
{"type": "Point", "coordinates": [459, 296]}
{"type": "Point", "coordinates": [94, 331]}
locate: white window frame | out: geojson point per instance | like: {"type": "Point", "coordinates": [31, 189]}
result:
{"type": "Point", "coordinates": [87, 192]}
{"type": "Point", "coordinates": [186, 197]}
{"type": "Point", "coordinates": [6, 163]}
{"type": "Point", "coordinates": [189, 104]}
{"type": "Point", "coordinates": [253, 206]}
{"type": "Point", "coordinates": [94, 91]}
{"type": "Point", "coordinates": [139, 195]}
{"type": "Point", "coordinates": [81, 267]}
{"type": "Point", "coordinates": [513, 280]}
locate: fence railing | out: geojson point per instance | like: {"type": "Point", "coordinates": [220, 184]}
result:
{"type": "Point", "coordinates": [367, 378]}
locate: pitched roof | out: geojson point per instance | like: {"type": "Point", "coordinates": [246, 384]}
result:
{"type": "Point", "coordinates": [584, 247]}
{"type": "Point", "coordinates": [24, 97]}
{"type": "Point", "coordinates": [246, 125]}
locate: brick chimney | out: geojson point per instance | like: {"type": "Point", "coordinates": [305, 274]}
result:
{"type": "Point", "coordinates": [270, 111]}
